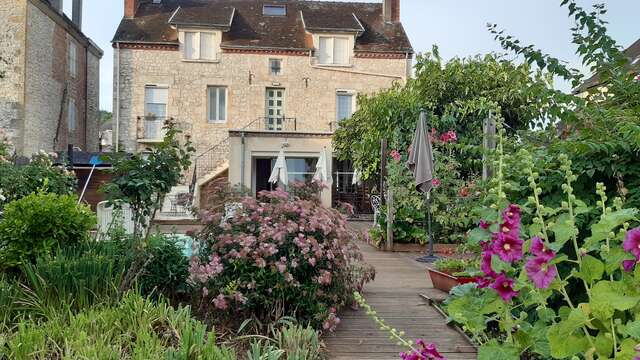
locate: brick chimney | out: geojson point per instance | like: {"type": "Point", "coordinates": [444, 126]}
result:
{"type": "Point", "coordinates": [391, 11]}
{"type": "Point", "coordinates": [130, 7]}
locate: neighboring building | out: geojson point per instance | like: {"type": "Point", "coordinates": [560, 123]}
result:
{"type": "Point", "coordinates": [245, 78]}
{"type": "Point", "coordinates": [50, 77]}
{"type": "Point", "coordinates": [632, 53]}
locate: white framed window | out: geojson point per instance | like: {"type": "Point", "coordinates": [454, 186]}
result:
{"type": "Point", "coordinates": [217, 104]}
{"type": "Point", "coordinates": [72, 115]}
{"type": "Point", "coordinates": [275, 66]}
{"type": "Point", "coordinates": [334, 50]}
{"type": "Point", "coordinates": [345, 104]}
{"type": "Point", "coordinates": [200, 45]}
{"type": "Point", "coordinates": [155, 101]}
{"type": "Point", "coordinates": [73, 59]}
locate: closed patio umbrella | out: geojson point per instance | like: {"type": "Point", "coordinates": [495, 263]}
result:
{"type": "Point", "coordinates": [322, 169]}
{"type": "Point", "coordinates": [421, 163]}
{"type": "Point", "coordinates": [357, 177]}
{"type": "Point", "coordinates": [279, 172]}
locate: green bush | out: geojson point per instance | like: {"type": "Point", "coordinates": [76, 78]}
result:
{"type": "Point", "coordinates": [134, 329]}
{"type": "Point", "coordinates": [34, 225]}
{"type": "Point", "coordinates": [17, 182]}
{"type": "Point", "coordinates": [167, 271]}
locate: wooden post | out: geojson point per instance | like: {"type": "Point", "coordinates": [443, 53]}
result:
{"type": "Point", "coordinates": [488, 144]}
{"type": "Point", "coordinates": [383, 168]}
{"type": "Point", "coordinates": [390, 220]}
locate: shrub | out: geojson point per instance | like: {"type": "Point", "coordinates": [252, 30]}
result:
{"type": "Point", "coordinates": [34, 225]}
{"type": "Point", "coordinates": [39, 175]}
{"type": "Point", "coordinates": [279, 256]}
{"type": "Point", "coordinates": [168, 269]}
{"type": "Point", "coordinates": [144, 331]}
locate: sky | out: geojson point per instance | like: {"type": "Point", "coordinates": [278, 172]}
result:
{"type": "Point", "coordinates": [458, 27]}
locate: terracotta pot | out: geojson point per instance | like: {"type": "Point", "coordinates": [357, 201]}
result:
{"type": "Point", "coordinates": [445, 282]}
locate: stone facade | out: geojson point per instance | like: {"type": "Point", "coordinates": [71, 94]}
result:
{"type": "Point", "coordinates": [47, 85]}
{"type": "Point", "coordinates": [12, 68]}
{"type": "Point", "coordinates": [310, 90]}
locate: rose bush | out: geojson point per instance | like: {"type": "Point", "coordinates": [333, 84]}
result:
{"type": "Point", "coordinates": [280, 255]}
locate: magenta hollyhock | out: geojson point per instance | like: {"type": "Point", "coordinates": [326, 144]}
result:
{"type": "Point", "coordinates": [629, 265]}
{"type": "Point", "coordinates": [540, 250]}
{"type": "Point", "coordinates": [632, 242]}
{"type": "Point", "coordinates": [511, 221]}
{"type": "Point", "coordinates": [503, 285]}
{"type": "Point", "coordinates": [540, 272]}
{"type": "Point", "coordinates": [509, 248]}
{"type": "Point", "coordinates": [485, 264]}
{"type": "Point", "coordinates": [424, 352]}
{"type": "Point", "coordinates": [484, 225]}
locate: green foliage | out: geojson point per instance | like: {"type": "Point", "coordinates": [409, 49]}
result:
{"type": "Point", "coordinates": [144, 331]}
{"type": "Point", "coordinates": [459, 93]}
{"type": "Point", "coordinates": [38, 223]}
{"type": "Point", "coordinates": [451, 265]}
{"type": "Point", "coordinates": [39, 175]}
{"type": "Point", "coordinates": [166, 274]}
{"type": "Point", "coordinates": [142, 180]}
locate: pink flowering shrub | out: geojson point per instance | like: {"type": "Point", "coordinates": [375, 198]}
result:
{"type": "Point", "coordinates": [280, 255]}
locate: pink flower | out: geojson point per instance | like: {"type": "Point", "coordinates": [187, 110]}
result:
{"type": "Point", "coordinates": [629, 265]}
{"type": "Point", "coordinates": [540, 272]}
{"type": "Point", "coordinates": [507, 247]}
{"type": "Point", "coordinates": [424, 352]}
{"type": "Point", "coordinates": [324, 278]}
{"type": "Point", "coordinates": [632, 242]}
{"type": "Point", "coordinates": [395, 155]}
{"type": "Point", "coordinates": [485, 264]}
{"type": "Point", "coordinates": [449, 136]}
{"type": "Point", "coordinates": [436, 183]}
{"type": "Point", "coordinates": [220, 302]}
{"type": "Point", "coordinates": [539, 250]}
{"type": "Point", "coordinates": [484, 225]}
{"type": "Point", "coordinates": [332, 321]}
{"type": "Point", "coordinates": [504, 287]}
{"type": "Point", "coordinates": [205, 292]}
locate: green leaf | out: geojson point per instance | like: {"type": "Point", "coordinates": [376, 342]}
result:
{"type": "Point", "coordinates": [608, 296]}
{"type": "Point", "coordinates": [495, 351]}
{"type": "Point", "coordinates": [564, 229]}
{"type": "Point", "coordinates": [478, 235]}
{"type": "Point", "coordinates": [604, 344]}
{"type": "Point", "coordinates": [601, 229]}
{"type": "Point", "coordinates": [592, 269]}
{"type": "Point", "coordinates": [498, 265]}
{"type": "Point", "coordinates": [614, 258]}
{"type": "Point", "coordinates": [633, 329]}
{"type": "Point", "coordinates": [563, 345]}
{"type": "Point", "coordinates": [627, 350]}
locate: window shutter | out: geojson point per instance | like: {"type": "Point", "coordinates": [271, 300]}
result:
{"type": "Point", "coordinates": [207, 46]}
{"type": "Point", "coordinates": [326, 50]}
{"type": "Point", "coordinates": [71, 115]}
{"type": "Point", "coordinates": [341, 51]}
{"type": "Point", "coordinates": [345, 106]}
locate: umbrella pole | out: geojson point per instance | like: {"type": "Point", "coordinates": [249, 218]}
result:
{"type": "Point", "coordinates": [429, 257]}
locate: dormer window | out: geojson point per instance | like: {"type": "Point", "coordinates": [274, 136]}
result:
{"type": "Point", "coordinates": [200, 45]}
{"type": "Point", "coordinates": [334, 50]}
{"type": "Point", "coordinates": [274, 10]}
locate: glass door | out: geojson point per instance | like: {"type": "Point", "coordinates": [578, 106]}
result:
{"type": "Point", "coordinates": [275, 109]}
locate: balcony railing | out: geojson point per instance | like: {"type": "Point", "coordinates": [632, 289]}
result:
{"type": "Point", "coordinates": [273, 124]}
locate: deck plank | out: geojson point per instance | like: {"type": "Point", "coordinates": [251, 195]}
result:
{"type": "Point", "coordinates": [395, 296]}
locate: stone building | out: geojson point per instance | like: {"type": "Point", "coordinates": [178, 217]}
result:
{"type": "Point", "coordinates": [246, 78]}
{"type": "Point", "coordinates": [49, 77]}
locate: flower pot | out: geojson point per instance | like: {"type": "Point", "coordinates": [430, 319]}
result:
{"type": "Point", "coordinates": [445, 282]}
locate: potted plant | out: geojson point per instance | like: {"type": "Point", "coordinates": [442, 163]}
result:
{"type": "Point", "coordinates": [449, 272]}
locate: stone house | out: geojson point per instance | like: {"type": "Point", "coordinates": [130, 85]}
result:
{"type": "Point", "coordinates": [49, 81]}
{"type": "Point", "coordinates": [246, 78]}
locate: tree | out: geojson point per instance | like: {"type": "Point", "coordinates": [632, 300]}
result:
{"type": "Point", "coordinates": [459, 93]}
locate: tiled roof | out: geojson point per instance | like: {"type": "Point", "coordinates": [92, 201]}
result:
{"type": "Point", "coordinates": [632, 53]}
{"type": "Point", "coordinates": [251, 29]}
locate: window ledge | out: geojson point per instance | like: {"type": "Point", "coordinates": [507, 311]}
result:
{"type": "Point", "coordinates": [211, 122]}
{"type": "Point", "coordinates": [215, 61]}
{"type": "Point", "coordinates": [150, 141]}
{"type": "Point", "coordinates": [335, 65]}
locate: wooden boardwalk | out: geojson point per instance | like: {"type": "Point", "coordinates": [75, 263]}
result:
{"type": "Point", "coordinates": [394, 295]}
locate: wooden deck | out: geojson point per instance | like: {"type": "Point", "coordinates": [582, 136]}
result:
{"type": "Point", "coordinates": [394, 295]}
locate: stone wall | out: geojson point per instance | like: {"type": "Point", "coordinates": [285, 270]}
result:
{"type": "Point", "coordinates": [310, 92]}
{"type": "Point", "coordinates": [12, 63]}
{"type": "Point", "coordinates": [33, 99]}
